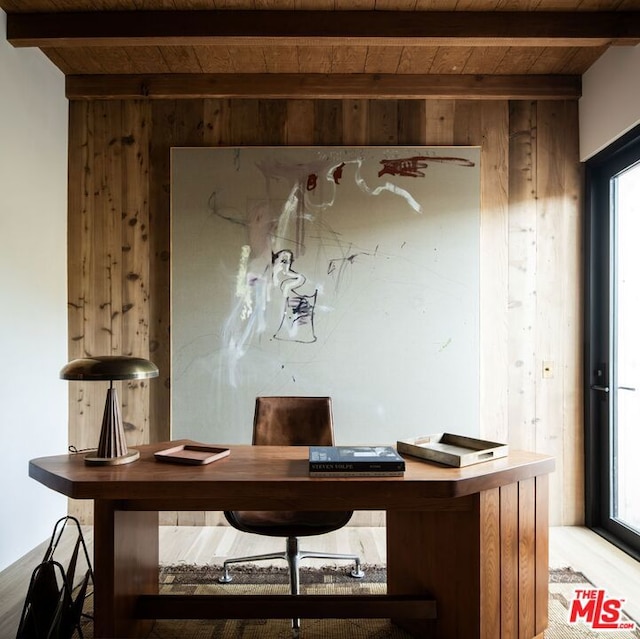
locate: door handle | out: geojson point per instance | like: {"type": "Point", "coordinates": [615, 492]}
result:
{"type": "Point", "coordinates": [629, 388]}
{"type": "Point", "coordinates": [602, 389]}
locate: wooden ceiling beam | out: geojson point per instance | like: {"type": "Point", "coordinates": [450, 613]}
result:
{"type": "Point", "coordinates": [323, 86]}
{"type": "Point", "coordinates": [366, 28]}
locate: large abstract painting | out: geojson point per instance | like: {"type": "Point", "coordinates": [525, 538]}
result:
{"type": "Point", "coordinates": [348, 272]}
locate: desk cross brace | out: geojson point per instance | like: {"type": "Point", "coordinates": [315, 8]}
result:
{"type": "Point", "coordinates": [284, 607]}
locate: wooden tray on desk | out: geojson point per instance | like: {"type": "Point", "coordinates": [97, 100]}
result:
{"type": "Point", "coordinates": [192, 454]}
{"type": "Point", "coordinates": [452, 450]}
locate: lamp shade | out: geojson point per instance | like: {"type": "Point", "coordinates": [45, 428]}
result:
{"type": "Point", "coordinates": [109, 367]}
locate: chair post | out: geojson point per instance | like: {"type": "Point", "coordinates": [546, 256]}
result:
{"type": "Point", "coordinates": [293, 559]}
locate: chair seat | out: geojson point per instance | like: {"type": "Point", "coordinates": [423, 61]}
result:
{"type": "Point", "coordinates": [287, 523]}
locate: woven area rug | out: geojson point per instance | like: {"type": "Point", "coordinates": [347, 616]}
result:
{"type": "Point", "coordinates": [247, 580]}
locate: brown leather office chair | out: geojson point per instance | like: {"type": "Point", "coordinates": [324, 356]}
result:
{"type": "Point", "coordinates": [291, 421]}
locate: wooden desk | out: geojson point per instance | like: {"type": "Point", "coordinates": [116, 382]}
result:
{"type": "Point", "coordinates": [475, 539]}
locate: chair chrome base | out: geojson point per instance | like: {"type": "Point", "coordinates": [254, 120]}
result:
{"type": "Point", "coordinates": [292, 555]}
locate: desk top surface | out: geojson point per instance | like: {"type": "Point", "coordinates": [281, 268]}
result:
{"type": "Point", "coordinates": [253, 474]}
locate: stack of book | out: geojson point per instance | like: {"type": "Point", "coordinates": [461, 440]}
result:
{"type": "Point", "coordinates": [355, 461]}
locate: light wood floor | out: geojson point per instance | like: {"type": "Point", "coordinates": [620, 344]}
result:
{"type": "Point", "coordinates": [574, 547]}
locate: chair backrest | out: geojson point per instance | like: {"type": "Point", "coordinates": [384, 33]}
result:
{"type": "Point", "coordinates": [293, 421]}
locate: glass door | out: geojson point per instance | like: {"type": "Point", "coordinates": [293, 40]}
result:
{"type": "Point", "coordinates": [625, 497]}
{"type": "Point", "coordinates": [612, 357]}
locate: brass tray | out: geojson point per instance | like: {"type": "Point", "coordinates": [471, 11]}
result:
{"type": "Point", "coordinates": [452, 450]}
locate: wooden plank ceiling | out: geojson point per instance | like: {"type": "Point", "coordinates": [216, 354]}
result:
{"type": "Point", "coordinates": [315, 44]}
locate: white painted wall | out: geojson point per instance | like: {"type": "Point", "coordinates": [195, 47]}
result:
{"type": "Point", "coordinates": [33, 291]}
{"type": "Point", "coordinates": [610, 103]}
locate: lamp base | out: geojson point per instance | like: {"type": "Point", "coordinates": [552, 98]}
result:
{"type": "Point", "coordinates": [112, 448]}
{"type": "Point", "coordinates": [91, 458]}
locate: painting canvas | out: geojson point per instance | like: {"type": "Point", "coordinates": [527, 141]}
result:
{"type": "Point", "coordinates": [347, 272]}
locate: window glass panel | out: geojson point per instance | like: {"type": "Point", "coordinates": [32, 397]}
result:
{"type": "Point", "coordinates": [626, 321]}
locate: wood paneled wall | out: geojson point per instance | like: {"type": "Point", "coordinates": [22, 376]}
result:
{"type": "Point", "coordinates": [120, 250]}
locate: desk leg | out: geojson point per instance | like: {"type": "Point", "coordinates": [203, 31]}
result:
{"type": "Point", "coordinates": [125, 565]}
{"type": "Point", "coordinates": [434, 552]}
{"type": "Point", "coordinates": [483, 558]}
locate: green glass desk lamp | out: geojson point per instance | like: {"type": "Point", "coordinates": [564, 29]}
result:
{"type": "Point", "coordinates": [112, 447]}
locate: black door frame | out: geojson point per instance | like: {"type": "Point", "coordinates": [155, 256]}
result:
{"type": "Point", "coordinates": [598, 379]}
